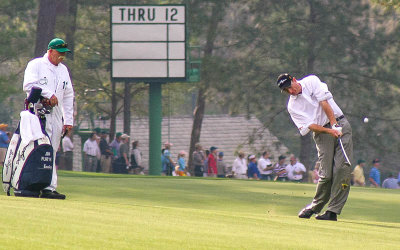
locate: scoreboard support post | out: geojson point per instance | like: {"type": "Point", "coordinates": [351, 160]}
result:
{"type": "Point", "coordinates": [155, 120]}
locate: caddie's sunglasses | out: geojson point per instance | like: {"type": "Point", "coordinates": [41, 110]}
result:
{"type": "Point", "coordinates": [60, 46]}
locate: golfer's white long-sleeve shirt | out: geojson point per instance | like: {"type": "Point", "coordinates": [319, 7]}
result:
{"type": "Point", "coordinates": [305, 108]}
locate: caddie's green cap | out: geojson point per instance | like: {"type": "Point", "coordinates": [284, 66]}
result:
{"type": "Point", "coordinates": [59, 45]}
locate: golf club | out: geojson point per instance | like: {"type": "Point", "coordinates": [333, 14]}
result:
{"type": "Point", "coordinates": [344, 151]}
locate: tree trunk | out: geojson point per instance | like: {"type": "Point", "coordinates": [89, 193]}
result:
{"type": "Point", "coordinates": [45, 25]}
{"type": "Point", "coordinates": [113, 115]}
{"type": "Point", "coordinates": [306, 145]}
{"type": "Point", "coordinates": [71, 28]}
{"type": "Point", "coordinates": [196, 127]}
{"type": "Point", "coordinates": [217, 13]}
{"type": "Point", "coordinates": [127, 108]}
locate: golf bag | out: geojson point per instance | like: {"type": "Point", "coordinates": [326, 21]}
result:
{"type": "Point", "coordinates": [28, 165]}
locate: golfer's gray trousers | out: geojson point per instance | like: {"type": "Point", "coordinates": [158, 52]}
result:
{"type": "Point", "coordinates": [334, 172]}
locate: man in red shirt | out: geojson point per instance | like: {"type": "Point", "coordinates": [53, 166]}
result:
{"type": "Point", "coordinates": [212, 162]}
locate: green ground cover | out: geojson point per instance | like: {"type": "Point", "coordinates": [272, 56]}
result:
{"type": "Point", "coordinates": [140, 212]}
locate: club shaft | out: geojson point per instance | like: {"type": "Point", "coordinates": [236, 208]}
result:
{"type": "Point", "coordinates": [344, 151]}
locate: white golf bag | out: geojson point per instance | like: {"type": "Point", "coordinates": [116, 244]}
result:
{"type": "Point", "coordinates": [28, 165]}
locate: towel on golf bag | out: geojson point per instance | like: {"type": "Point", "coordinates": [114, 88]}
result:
{"type": "Point", "coordinates": [30, 127]}
{"type": "Point", "coordinates": [28, 166]}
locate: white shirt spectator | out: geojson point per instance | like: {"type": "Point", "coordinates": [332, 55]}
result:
{"type": "Point", "coordinates": [297, 167]}
{"type": "Point", "coordinates": [91, 148]}
{"type": "Point", "coordinates": [240, 166]}
{"type": "Point", "coordinates": [304, 108]}
{"type": "Point", "coordinates": [391, 183]}
{"type": "Point", "coordinates": [138, 156]}
{"type": "Point", "coordinates": [262, 164]}
{"type": "Point", "coordinates": [67, 144]}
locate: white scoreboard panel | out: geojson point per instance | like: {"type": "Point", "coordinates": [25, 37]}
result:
{"type": "Point", "coordinates": [148, 42]}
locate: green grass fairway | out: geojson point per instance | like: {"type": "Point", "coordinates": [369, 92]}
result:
{"type": "Point", "coordinates": [140, 212]}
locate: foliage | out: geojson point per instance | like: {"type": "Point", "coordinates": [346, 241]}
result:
{"type": "Point", "coordinates": [388, 3]}
{"type": "Point", "coordinates": [15, 44]}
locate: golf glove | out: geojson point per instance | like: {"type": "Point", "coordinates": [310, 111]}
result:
{"type": "Point", "coordinates": [337, 128]}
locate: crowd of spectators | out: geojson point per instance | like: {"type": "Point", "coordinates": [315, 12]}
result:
{"type": "Point", "coordinates": [374, 176]}
{"type": "Point", "coordinates": [263, 168]}
{"type": "Point", "coordinates": [211, 163]}
{"type": "Point", "coordinates": [101, 156]}
{"type": "Point", "coordinates": [116, 157]}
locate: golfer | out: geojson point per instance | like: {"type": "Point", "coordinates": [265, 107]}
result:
{"type": "Point", "coordinates": [312, 108]}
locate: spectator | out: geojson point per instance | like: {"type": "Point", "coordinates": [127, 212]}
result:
{"type": "Point", "coordinates": [92, 151]}
{"type": "Point", "coordinates": [280, 169]}
{"type": "Point", "coordinates": [295, 170]}
{"type": "Point", "coordinates": [265, 167]}
{"type": "Point", "coordinates": [375, 174]}
{"type": "Point", "coordinates": [170, 165]}
{"type": "Point", "coordinates": [4, 141]}
{"type": "Point", "coordinates": [390, 182]}
{"type": "Point", "coordinates": [398, 179]}
{"type": "Point", "coordinates": [315, 174]}
{"type": "Point", "coordinates": [163, 162]}
{"type": "Point", "coordinates": [181, 164]}
{"type": "Point", "coordinates": [239, 168]}
{"type": "Point", "coordinates": [358, 174]}
{"type": "Point", "coordinates": [98, 167]}
{"type": "Point", "coordinates": [198, 160]}
{"type": "Point", "coordinates": [106, 154]}
{"type": "Point", "coordinates": [68, 148]}
{"type": "Point", "coordinates": [252, 171]}
{"type": "Point", "coordinates": [123, 157]}
{"type": "Point", "coordinates": [212, 162]}
{"type": "Point", "coordinates": [136, 159]}
{"type": "Point", "coordinates": [115, 145]}
{"type": "Point", "coordinates": [205, 174]}
{"type": "Point", "coordinates": [221, 167]}
{"type": "Point", "coordinates": [98, 132]}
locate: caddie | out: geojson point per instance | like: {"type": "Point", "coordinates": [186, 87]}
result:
{"type": "Point", "coordinates": [49, 74]}
{"type": "Point", "coordinates": [312, 108]}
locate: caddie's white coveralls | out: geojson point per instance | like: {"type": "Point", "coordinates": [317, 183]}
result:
{"type": "Point", "coordinates": [53, 80]}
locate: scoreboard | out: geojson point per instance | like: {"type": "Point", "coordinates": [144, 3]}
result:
{"type": "Point", "coordinates": [148, 42]}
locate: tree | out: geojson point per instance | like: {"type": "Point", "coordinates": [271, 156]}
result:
{"type": "Point", "coordinates": [45, 25]}
{"type": "Point", "coordinates": [15, 44]}
{"type": "Point", "coordinates": [71, 27]}
{"type": "Point", "coordinates": [217, 13]}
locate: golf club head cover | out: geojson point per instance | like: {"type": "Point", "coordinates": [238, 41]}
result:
{"type": "Point", "coordinates": [34, 95]}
